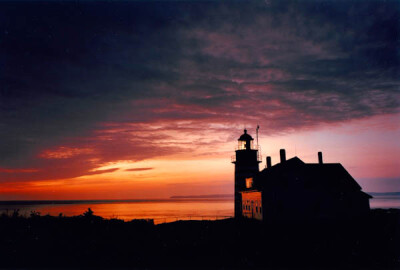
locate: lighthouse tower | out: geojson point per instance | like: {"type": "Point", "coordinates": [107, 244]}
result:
{"type": "Point", "coordinates": [246, 163]}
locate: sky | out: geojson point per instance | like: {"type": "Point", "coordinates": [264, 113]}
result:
{"type": "Point", "coordinates": [145, 99]}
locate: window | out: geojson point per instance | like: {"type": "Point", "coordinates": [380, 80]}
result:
{"type": "Point", "coordinates": [249, 182]}
{"type": "Point", "coordinates": [241, 145]}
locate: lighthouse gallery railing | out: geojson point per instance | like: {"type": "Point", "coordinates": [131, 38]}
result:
{"type": "Point", "coordinates": [257, 147]}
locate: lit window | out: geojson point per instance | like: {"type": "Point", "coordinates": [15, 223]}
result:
{"type": "Point", "coordinates": [249, 182]}
{"type": "Point", "coordinates": [241, 145]}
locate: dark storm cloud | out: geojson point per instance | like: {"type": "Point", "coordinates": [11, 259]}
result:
{"type": "Point", "coordinates": [67, 68]}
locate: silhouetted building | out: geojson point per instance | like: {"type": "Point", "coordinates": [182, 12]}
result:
{"type": "Point", "coordinates": [246, 163]}
{"type": "Point", "coordinates": [293, 189]}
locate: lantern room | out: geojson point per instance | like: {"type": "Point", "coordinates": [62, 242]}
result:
{"type": "Point", "coordinates": [245, 142]}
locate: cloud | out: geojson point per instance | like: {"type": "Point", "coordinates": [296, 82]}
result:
{"type": "Point", "coordinates": [3, 170]}
{"type": "Point", "coordinates": [102, 171]}
{"type": "Point", "coordinates": [85, 84]}
{"type": "Point", "coordinates": [138, 169]}
{"type": "Point", "coordinates": [63, 152]}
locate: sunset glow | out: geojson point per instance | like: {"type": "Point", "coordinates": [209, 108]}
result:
{"type": "Point", "coordinates": [108, 103]}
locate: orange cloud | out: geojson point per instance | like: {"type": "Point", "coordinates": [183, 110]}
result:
{"type": "Point", "coordinates": [5, 170]}
{"type": "Point", "coordinates": [138, 169]}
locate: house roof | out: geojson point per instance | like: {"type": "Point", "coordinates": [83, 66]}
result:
{"type": "Point", "coordinates": [328, 176]}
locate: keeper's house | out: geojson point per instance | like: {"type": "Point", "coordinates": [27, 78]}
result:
{"type": "Point", "coordinates": [293, 189]}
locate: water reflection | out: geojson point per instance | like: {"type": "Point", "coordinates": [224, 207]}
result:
{"type": "Point", "coordinates": [164, 211]}
{"type": "Point", "coordinates": [385, 202]}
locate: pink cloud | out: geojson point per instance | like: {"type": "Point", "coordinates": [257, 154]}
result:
{"type": "Point", "coordinates": [62, 152]}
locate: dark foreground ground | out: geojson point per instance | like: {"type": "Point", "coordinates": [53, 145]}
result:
{"type": "Point", "coordinates": [89, 241]}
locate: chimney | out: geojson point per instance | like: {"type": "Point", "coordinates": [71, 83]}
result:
{"type": "Point", "coordinates": [269, 162]}
{"type": "Point", "coordinates": [283, 155]}
{"type": "Point", "coordinates": [320, 158]}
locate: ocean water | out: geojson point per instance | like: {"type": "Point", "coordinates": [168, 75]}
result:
{"type": "Point", "coordinates": [160, 211]}
{"type": "Point", "coordinates": [385, 200]}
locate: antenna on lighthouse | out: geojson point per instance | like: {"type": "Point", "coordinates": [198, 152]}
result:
{"type": "Point", "coordinates": [258, 127]}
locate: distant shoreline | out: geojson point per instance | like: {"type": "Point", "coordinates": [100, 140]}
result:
{"type": "Point", "coordinates": [39, 202]}
{"type": "Point", "coordinates": [211, 196]}
{"type": "Point", "coordinates": [384, 193]}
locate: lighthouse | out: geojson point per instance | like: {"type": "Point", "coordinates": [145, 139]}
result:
{"type": "Point", "coordinates": [246, 162]}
